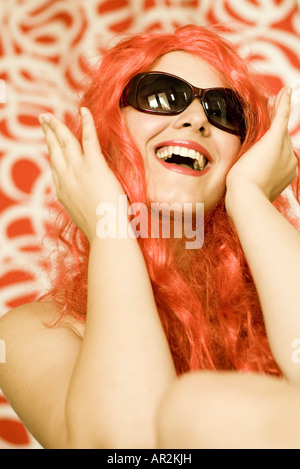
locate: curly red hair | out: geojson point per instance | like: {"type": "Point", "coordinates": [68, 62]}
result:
{"type": "Point", "coordinates": [206, 298]}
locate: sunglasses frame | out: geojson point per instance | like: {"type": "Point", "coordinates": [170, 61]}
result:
{"type": "Point", "coordinates": [130, 98]}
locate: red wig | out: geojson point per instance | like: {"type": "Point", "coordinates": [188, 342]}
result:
{"type": "Point", "coordinates": [206, 297]}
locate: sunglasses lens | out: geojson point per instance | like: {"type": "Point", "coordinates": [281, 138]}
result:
{"type": "Point", "coordinates": [223, 109]}
{"type": "Point", "coordinates": [163, 94]}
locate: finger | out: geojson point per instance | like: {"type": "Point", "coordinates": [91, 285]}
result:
{"type": "Point", "coordinates": [68, 143]}
{"type": "Point", "coordinates": [56, 181]}
{"type": "Point", "coordinates": [90, 142]}
{"type": "Point", "coordinates": [282, 113]}
{"type": "Point", "coordinates": [291, 148]}
{"type": "Point", "coordinates": [55, 152]}
{"type": "Point", "coordinates": [276, 103]}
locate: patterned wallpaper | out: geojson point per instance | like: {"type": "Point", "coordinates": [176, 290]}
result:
{"type": "Point", "coordinates": [44, 48]}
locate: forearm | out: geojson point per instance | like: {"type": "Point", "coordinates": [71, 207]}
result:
{"type": "Point", "coordinates": [272, 249]}
{"type": "Point", "coordinates": [125, 365]}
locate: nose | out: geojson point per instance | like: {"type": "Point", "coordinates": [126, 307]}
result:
{"type": "Point", "coordinates": [193, 116]}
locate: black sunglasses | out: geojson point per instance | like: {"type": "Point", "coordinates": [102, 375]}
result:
{"type": "Point", "coordinates": [165, 94]}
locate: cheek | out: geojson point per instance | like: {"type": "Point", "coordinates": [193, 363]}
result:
{"type": "Point", "coordinates": [229, 150]}
{"type": "Point", "coordinates": [142, 127]}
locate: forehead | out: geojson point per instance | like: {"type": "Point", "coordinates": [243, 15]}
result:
{"type": "Point", "coordinates": [191, 68]}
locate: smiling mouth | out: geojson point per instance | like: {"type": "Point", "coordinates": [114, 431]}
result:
{"type": "Point", "coordinates": [182, 156]}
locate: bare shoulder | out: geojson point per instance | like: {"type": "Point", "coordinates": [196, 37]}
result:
{"type": "Point", "coordinates": [37, 316]}
{"type": "Point", "coordinates": [38, 365]}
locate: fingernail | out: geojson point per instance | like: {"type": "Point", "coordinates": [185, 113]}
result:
{"type": "Point", "coordinates": [44, 118]}
{"type": "Point", "coordinates": [83, 111]}
{"type": "Point", "coordinates": [289, 91]}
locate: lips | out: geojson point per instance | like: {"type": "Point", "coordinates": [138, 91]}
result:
{"type": "Point", "coordinates": [190, 145]}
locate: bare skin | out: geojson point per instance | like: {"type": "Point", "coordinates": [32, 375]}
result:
{"type": "Point", "coordinates": [116, 387]}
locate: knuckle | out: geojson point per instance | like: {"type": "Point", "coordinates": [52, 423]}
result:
{"type": "Point", "coordinates": [285, 114]}
{"type": "Point", "coordinates": [64, 142]}
{"type": "Point", "coordinates": [293, 168]}
{"type": "Point", "coordinates": [294, 160]}
{"type": "Point", "coordinates": [88, 135]}
{"type": "Point", "coordinates": [295, 164]}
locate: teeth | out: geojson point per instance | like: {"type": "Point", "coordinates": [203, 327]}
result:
{"type": "Point", "coordinates": [196, 165]}
{"type": "Point", "coordinates": [184, 151]}
{"type": "Point", "coordinates": [200, 160]}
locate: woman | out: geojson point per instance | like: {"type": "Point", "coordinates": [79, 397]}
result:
{"type": "Point", "coordinates": [144, 323]}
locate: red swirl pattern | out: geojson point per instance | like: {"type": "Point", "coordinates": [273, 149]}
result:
{"type": "Point", "coordinates": [44, 49]}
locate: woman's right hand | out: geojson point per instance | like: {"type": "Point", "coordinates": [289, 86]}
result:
{"type": "Point", "coordinates": [81, 175]}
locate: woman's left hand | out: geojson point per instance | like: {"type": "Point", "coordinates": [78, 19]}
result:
{"type": "Point", "coordinates": [270, 243]}
{"type": "Point", "coordinates": [270, 164]}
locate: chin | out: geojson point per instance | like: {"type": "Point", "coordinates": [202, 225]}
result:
{"type": "Point", "coordinates": [210, 201]}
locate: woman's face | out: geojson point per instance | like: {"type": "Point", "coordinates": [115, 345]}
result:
{"type": "Point", "coordinates": [189, 128]}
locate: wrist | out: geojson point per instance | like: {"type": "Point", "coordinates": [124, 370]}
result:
{"type": "Point", "coordinates": [111, 221]}
{"type": "Point", "coordinates": [241, 193]}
